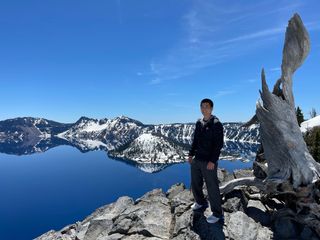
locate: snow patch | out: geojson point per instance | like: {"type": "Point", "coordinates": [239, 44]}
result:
{"type": "Point", "coordinates": [313, 122]}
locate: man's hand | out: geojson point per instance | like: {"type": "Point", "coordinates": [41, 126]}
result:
{"type": "Point", "coordinates": [190, 159]}
{"type": "Point", "coordinates": [210, 165]}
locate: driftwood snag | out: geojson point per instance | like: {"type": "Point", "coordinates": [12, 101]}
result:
{"type": "Point", "coordinates": [292, 173]}
{"type": "Point", "coordinates": [285, 149]}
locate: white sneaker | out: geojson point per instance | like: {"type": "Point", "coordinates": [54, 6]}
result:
{"type": "Point", "coordinates": [196, 206]}
{"type": "Point", "coordinates": [212, 219]}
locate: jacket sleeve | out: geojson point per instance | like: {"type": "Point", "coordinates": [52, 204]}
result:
{"type": "Point", "coordinates": [194, 145]}
{"type": "Point", "coordinates": [217, 142]}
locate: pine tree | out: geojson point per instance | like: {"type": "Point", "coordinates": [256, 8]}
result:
{"type": "Point", "coordinates": [299, 115]}
{"type": "Point", "coordinates": [312, 139]}
{"type": "Point", "coordinates": [316, 151]}
{"type": "Point", "coordinates": [313, 113]}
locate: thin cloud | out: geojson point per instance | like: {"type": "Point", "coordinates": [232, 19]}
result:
{"type": "Point", "coordinates": [203, 46]}
{"type": "Point", "coordinates": [224, 93]}
{"type": "Point", "coordinates": [255, 35]}
{"type": "Point", "coordinates": [276, 69]}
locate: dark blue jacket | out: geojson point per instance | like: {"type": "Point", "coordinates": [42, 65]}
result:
{"type": "Point", "coordinates": [207, 140]}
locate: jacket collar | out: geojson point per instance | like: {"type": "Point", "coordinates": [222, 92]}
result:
{"type": "Point", "coordinates": [203, 122]}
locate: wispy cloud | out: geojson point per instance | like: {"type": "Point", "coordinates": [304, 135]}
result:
{"type": "Point", "coordinates": [212, 37]}
{"type": "Point", "coordinates": [255, 35]}
{"type": "Point", "coordinates": [224, 93]}
{"type": "Point", "coordinates": [275, 69]}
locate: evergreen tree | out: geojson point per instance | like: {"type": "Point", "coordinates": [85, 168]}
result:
{"type": "Point", "coordinates": [299, 115]}
{"type": "Point", "coordinates": [316, 149]}
{"type": "Point", "coordinates": [312, 139]}
{"type": "Point", "coordinates": [313, 113]}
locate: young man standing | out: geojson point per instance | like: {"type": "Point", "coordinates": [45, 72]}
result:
{"type": "Point", "coordinates": [206, 147]}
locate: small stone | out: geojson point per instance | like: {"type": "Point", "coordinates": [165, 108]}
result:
{"type": "Point", "coordinates": [243, 173]}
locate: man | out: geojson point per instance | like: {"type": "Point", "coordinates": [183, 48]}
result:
{"type": "Point", "coordinates": [206, 147]}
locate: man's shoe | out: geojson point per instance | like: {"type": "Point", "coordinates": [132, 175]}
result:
{"type": "Point", "coordinates": [197, 206]}
{"type": "Point", "coordinates": [212, 219]}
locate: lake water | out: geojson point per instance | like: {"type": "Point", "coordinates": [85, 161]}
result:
{"type": "Point", "coordinates": [49, 190]}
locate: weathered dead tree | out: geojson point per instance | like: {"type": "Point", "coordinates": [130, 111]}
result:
{"type": "Point", "coordinates": [292, 174]}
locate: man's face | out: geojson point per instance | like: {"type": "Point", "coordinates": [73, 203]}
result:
{"type": "Point", "coordinates": [206, 109]}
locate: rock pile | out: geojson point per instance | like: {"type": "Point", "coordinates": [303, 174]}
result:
{"type": "Point", "coordinates": [160, 215]}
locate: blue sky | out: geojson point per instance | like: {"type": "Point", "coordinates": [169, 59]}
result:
{"type": "Point", "coordinates": [151, 60]}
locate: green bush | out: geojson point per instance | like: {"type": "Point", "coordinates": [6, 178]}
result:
{"type": "Point", "coordinates": [312, 138]}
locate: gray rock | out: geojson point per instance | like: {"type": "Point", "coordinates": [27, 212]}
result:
{"type": "Point", "coordinates": [256, 204]}
{"type": "Point", "coordinates": [175, 189]}
{"type": "Point", "coordinates": [111, 210]}
{"type": "Point", "coordinates": [188, 235]}
{"type": "Point", "coordinates": [157, 215]}
{"type": "Point", "coordinates": [264, 233]}
{"type": "Point", "coordinates": [50, 235]}
{"type": "Point", "coordinates": [257, 211]}
{"type": "Point", "coordinates": [224, 175]}
{"type": "Point", "coordinates": [259, 170]}
{"type": "Point", "coordinates": [98, 227]}
{"type": "Point", "coordinates": [150, 216]}
{"type": "Point", "coordinates": [243, 173]}
{"type": "Point", "coordinates": [116, 236]}
{"type": "Point", "coordinates": [253, 190]}
{"type": "Point", "coordinates": [182, 202]}
{"type": "Point", "coordinates": [139, 237]}
{"type": "Point", "coordinates": [182, 222]}
{"type": "Point", "coordinates": [232, 205]}
{"type": "Point", "coordinates": [81, 231]}
{"type": "Point", "coordinates": [240, 226]}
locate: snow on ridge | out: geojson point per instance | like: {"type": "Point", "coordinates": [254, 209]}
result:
{"type": "Point", "coordinates": [94, 127]}
{"type": "Point", "coordinates": [146, 137]}
{"type": "Point", "coordinates": [313, 122]}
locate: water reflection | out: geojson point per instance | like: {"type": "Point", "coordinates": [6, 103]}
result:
{"type": "Point", "coordinates": [232, 150]}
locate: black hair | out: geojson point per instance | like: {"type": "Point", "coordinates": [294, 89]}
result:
{"type": "Point", "coordinates": [207, 100]}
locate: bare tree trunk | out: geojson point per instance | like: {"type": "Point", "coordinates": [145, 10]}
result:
{"type": "Point", "coordinates": [285, 149]}
{"type": "Point", "coordinates": [292, 171]}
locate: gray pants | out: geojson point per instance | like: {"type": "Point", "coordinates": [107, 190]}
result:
{"type": "Point", "coordinates": [199, 172]}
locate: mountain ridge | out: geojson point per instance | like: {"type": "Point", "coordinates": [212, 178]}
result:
{"type": "Point", "coordinates": [119, 137]}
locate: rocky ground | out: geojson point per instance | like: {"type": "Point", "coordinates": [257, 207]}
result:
{"type": "Point", "coordinates": [160, 215]}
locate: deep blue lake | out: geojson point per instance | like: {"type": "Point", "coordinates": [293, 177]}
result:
{"type": "Point", "coordinates": [49, 190]}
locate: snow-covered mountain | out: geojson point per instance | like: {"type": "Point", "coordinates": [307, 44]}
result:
{"type": "Point", "coordinates": [313, 122]}
{"type": "Point", "coordinates": [112, 132]}
{"type": "Point", "coordinates": [234, 132]}
{"type": "Point", "coordinates": [149, 146]}
{"type": "Point", "coordinates": [152, 148]}
{"type": "Point", "coordinates": [19, 129]}
{"type": "Point", "coordinates": [29, 135]}
{"type": "Point", "coordinates": [180, 132]}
